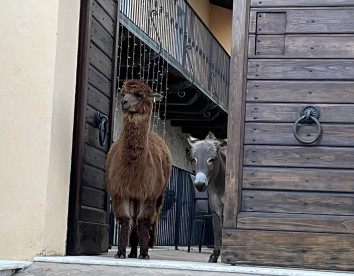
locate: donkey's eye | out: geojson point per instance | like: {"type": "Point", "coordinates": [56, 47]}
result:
{"type": "Point", "coordinates": [138, 95]}
{"type": "Point", "coordinates": [194, 160]}
{"type": "Point", "coordinates": [211, 160]}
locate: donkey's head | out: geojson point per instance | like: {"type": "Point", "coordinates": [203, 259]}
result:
{"type": "Point", "coordinates": [137, 96]}
{"type": "Point", "coordinates": [206, 156]}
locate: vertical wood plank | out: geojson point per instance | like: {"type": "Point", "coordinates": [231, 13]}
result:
{"type": "Point", "coordinates": [238, 67]}
{"type": "Point", "coordinates": [301, 3]}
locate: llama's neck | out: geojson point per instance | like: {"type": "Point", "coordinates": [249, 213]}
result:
{"type": "Point", "coordinates": [134, 134]}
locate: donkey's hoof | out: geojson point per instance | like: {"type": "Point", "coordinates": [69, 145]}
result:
{"type": "Point", "coordinates": [132, 255]}
{"type": "Point", "coordinates": [213, 259]}
{"type": "Point", "coordinates": [144, 257]}
{"type": "Point", "coordinates": [119, 255]}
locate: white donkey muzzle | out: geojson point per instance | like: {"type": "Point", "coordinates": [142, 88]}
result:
{"type": "Point", "coordinates": [201, 182]}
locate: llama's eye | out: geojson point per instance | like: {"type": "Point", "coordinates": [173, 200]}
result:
{"type": "Point", "coordinates": [138, 95]}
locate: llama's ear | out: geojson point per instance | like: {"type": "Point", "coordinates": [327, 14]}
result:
{"type": "Point", "coordinates": [192, 140]}
{"type": "Point", "coordinates": [210, 136]}
{"type": "Point", "coordinates": [155, 97]}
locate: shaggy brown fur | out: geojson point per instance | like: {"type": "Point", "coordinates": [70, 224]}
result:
{"type": "Point", "coordinates": [138, 169]}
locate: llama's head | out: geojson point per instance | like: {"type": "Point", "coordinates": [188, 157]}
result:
{"type": "Point", "coordinates": [137, 97]}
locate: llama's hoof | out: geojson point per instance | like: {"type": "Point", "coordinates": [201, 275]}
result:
{"type": "Point", "coordinates": [144, 257]}
{"type": "Point", "coordinates": [119, 255]}
{"type": "Point", "coordinates": [132, 255]}
{"type": "Point", "coordinates": [213, 259]}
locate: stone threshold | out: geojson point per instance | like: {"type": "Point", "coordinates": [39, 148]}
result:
{"type": "Point", "coordinates": [8, 268]}
{"type": "Point", "coordinates": [183, 265]}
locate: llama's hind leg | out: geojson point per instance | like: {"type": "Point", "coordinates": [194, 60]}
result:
{"type": "Point", "coordinates": [133, 243]}
{"type": "Point", "coordinates": [123, 238]}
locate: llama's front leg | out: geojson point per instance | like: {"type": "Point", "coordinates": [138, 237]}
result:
{"type": "Point", "coordinates": [143, 234]}
{"type": "Point", "coordinates": [217, 227]}
{"type": "Point", "coordinates": [133, 240]}
{"type": "Point", "coordinates": [123, 238]}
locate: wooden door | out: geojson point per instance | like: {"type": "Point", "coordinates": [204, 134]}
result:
{"type": "Point", "coordinates": [88, 226]}
{"type": "Point", "coordinates": [290, 203]}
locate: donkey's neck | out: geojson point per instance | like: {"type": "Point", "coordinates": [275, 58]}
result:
{"type": "Point", "coordinates": [219, 181]}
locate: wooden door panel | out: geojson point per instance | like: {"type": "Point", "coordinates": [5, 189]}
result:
{"type": "Point", "coordinates": [289, 203]}
{"type": "Point", "coordinates": [301, 3]}
{"type": "Point", "coordinates": [92, 198]}
{"type": "Point", "coordinates": [276, 248]}
{"type": "Point", "coordinates": [301, 69]}
{"type": "Point", "coordinates": [104, 16]}
{"type": "Point", "coordinates": [96, 243]}
{"type": "Point", "coordinates": [282, 113]}
{"type": "Point", "coordinates": [293, 21]}
{"type": "Point", "coordinates": [92, 138]}
{"type": "Point", "coordinates": [296, 202]}
{"type": "Point", "coordinates": [300, 91]}
{"type": "Point", "coordinates": [296, 222]}
{"type": "Point", "coordinates": [301, 46]}
{"type": "Point", "coordinates": [100, 61]}
{"type": "Point", "coordinates": [88, 228]}
{"type": "Point", "coordinates": [282, 134]}
{"type": "Point", "coordinates": [99, 101]}
{"type": "Point", "coordinates": [101, 38]}
{"type": "Point", "coordinates": [94, 157]}
{"type": "Point", "coordinates": [301, 157]}
{"type": "Point", "coordinates": [94, 178]}
{"type": "Point", "coordinates": [298, 179]}
{"type": "Point", "coordinates": [99, 81]}
{"type": "Point", "coordinates": [93, 215]}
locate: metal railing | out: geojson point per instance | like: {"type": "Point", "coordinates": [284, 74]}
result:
{"type": "Point", "coordinates": [174, 30]}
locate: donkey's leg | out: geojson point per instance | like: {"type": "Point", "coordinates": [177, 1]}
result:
{"type": "Point", "coordinates": [217, 227]}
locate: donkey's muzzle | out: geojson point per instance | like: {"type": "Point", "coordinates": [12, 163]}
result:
{"type": "Point", "coordinates": [200, 182]}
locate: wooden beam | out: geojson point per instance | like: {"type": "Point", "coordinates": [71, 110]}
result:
{"type": "Point", "coordinates": [238, 67]}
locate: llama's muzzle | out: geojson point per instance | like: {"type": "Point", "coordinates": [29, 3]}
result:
{"type": "Point", "coordinates": [125, 104]}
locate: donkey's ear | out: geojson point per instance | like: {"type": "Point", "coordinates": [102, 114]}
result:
{"type": "Point", "coordinates": [210, 136]}
{"type": "Point", "coordinates": [192, 140]}
{"type": "Point", "coordinates": [222, 144]}
{"type": "Point", "coordinates": [155, 97]}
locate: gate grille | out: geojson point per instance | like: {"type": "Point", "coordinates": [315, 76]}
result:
{"type": "Point", "coordinates": [175, 216]}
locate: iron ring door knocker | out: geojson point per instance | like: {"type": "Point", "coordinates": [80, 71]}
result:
{"type": "Point", "coordinates": [102, 125]}
{"type": "Point", "coordinates": [308, 114]}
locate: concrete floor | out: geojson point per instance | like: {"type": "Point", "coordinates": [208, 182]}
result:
{"type": "Point", "coordinates": [164, 261]}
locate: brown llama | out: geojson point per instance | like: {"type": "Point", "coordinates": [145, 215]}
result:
{"type": "Point", "coordinates": [138, 169]}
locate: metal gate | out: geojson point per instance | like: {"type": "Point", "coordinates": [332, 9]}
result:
{"type": "Point", "coordinates": [175, 216]}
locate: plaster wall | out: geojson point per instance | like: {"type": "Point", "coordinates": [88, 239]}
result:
{"type": "Point", "coordinates": [38, 46]}
{"type": "Point", "coordinates": [220, 24]}
{"type": "Point", "coordinates": [202, 8]}
{"type": "Point", "coordinates": [217, 19]}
